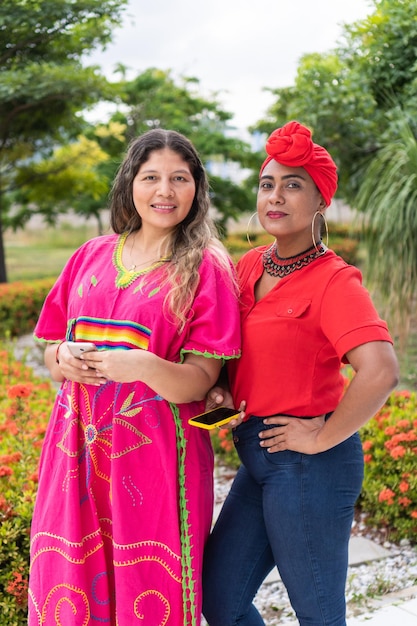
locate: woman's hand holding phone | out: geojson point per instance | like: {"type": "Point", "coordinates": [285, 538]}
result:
{"type": "Point", "coordinates": [78, 348]}
{"type": "Point", "coordinates": [220, 395]}
{"type": "Point", "coordinates": [73, 368]}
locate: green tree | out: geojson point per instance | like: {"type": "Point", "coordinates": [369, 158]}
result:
{"type": "Point", "coordinates": [152, 100]}
{"type": "Point", "coordinates": [383, 49]}
{"type": "Point", "coordinates": [73, 178]}
{"type": "Point", "coordinates": [43, 84]}
{"type": "Point", "coordinates": [384, 53]}
{"type": "Point", "coordinates": [347, 94]}
{"type": "Point", "coordinates": [388, 200]}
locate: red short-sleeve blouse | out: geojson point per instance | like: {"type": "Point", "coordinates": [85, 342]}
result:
{"type": "Point", "coordinates": [294, 340]}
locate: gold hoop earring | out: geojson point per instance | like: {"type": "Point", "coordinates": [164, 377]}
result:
{"type": "Point", "coordinates": [247, 229]}
{"type": "Point", "coordinates": [325, 228]}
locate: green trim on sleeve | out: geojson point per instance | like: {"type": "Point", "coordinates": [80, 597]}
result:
{"type": "Point", "coordinates": [210, 355]}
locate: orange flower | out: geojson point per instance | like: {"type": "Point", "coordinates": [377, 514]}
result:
{"type": "Point", "coordinates": [403, 424]}
{"type": "Point", "coordinates": [10, 458]}
{"type": "Point", "coordinates": [383, 415]}
{"type": "Point", "coordinates": [404, 486]}
{"type": "Point", "coordinates": [367, 445]}
{"type": "Point", "coordinates": [404, 501]}
{"type": "Point", "coordinates": [45, 386]}
{"type": "Point", "coordinates": [18, 588]}
{"type": "Point", "coordinates": [395, 440]}
{"type": "Point", "coordinates": [20, 391]}
{"type": "Point", "coordinates": [390, 430]}
{"type": "Point", "coordinates": [413, 514]}
{"type": "Point", "coordinates": [367, 458]}
{"type": "Point", "coordinates": [386, 495]}
{"type": "Point", "coordinates": [398, 452]}
{"type": "Point", "coordinates": [34, 477]}
{"type": "Point", "coordinates": [403, 394]}
{"type": "Point", "coordinates": [5, 470]}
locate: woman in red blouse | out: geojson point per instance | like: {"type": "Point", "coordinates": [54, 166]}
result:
{"type": "Point", "coordinates": [304, 313]}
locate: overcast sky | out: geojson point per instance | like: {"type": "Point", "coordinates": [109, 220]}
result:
{"type": "Point", "coordinates": [234, 47]}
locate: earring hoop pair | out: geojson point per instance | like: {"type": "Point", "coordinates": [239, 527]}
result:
{"type": "Point", "coordinates": [326, 229]}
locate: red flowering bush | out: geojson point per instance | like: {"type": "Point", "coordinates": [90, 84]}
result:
{"type": "Point", "coordinates": [389, 493]}
{"type": "Point", "coordinates": [25, 404]}
{"type": "Point", "coordinates": [224, 448]}
{"type": "Point", "coordinates": [20, 303]}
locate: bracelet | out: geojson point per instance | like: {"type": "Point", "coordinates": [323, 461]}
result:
{"type": "Point", "coordinates": [57, 350]}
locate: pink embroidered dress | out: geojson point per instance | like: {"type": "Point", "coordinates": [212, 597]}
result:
{"type": "Point", "coordinates": [125, 496]}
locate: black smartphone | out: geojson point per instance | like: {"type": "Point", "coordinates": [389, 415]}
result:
{"type": "Point", "coordinates": [214, 418]}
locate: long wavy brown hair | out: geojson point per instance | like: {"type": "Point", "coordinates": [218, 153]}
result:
{"type": "Point", "coordinates": [191, 237]}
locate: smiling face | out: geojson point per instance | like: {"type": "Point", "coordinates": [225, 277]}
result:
{"type": "Point", "coordinates": [287, 201]}
{"type": "Point", "coordinates": [163, 190]}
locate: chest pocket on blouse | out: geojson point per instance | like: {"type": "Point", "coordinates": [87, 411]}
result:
{"type": "Point", "coordinates": [289, 307]}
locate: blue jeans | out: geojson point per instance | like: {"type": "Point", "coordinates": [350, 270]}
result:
{"type": "Point", "coordinates": [287, 509]}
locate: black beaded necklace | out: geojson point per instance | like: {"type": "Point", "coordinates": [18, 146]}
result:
{"type": "Point", "coordinates": [279, 267]}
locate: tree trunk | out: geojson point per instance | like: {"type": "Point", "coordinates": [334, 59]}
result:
{"type": "Point", "coordinates": [99, 223]}
{"type": "Point", "coordinates": [3, 273]}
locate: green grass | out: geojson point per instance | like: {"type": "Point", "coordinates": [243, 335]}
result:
{"type": "Point", "coordinates": [34, 262]}
{"type": "Point", "coordinates": [42, 253]}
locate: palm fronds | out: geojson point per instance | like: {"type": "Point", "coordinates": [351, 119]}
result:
{"type": "Point", "coordinates": [388, 200]}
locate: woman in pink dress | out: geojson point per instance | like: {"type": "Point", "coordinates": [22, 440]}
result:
{"type": "Point", "coordinates": [125, 497]}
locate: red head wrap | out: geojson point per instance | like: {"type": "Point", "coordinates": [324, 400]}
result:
{"type": "Point", "coordinates": [291, 145]}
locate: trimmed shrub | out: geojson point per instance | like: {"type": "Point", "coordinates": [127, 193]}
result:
{"type": "Point", "coordinates": [20, 304]}
{"type": "Point", "coordinates": [389, 493]}
{"type": "Point", "coordinates": [25, 405]}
